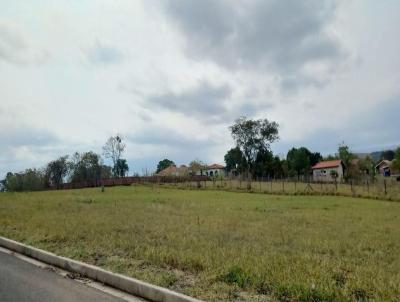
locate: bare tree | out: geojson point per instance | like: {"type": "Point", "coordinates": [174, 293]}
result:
{"type": "Point", "coordinates": [113, 149]}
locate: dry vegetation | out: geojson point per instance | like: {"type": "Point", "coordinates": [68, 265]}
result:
{"type": "Point", "coordinates": [220, 246]}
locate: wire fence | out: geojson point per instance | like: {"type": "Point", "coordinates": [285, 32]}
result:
{"type": "Point", "coordinates": [378, 188]}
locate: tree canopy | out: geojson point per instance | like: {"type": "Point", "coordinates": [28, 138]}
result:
{"type": "Point", "coordinates": [86, 166]}
{"type": "Point", "coordinates": [235, 160]}
{"type": "Point", "coordinates": [163, 164]}
{"type": "Point", "coordinates": [56, 170]}
{"type": "Point", "coordinates": [253, 137]}
{"type": "Point", "coordinates": [396, 159]}
{"type": "Point", "coordinates": [121, 168]}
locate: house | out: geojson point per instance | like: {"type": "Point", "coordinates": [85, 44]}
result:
{"type": "Point", "coordinates": [328, 171]}
{"type": "Point", "coordinates": [174, 171]}
{"type": "Point", "coordinates": [214, 170]}
{"type": "Point", "coordinates": [384, 168]}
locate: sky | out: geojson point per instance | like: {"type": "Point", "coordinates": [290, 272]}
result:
{"type": "Point", "coordinates": [171, 76]}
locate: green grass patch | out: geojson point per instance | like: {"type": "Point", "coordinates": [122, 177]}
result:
{"type": "Point", "coordinates": [220, 246]}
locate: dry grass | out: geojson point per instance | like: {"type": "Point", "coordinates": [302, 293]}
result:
{"type": "Point", "coordinates": [374, 190]}
{"type": "Point", "coordinates": [220, 246]}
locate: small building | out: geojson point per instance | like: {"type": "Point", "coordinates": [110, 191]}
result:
{"type": "Point", "coordinates": [328, 171]}
{"type": "Point", "coordinates": [214, 170]}
{"type": "Point", "coordinates": [384, 168]}
{"type": "Point", "coordinates": [174, 171]}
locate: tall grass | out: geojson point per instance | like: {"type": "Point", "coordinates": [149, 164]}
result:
{"type": "Point", "coordinates": [220, 246]}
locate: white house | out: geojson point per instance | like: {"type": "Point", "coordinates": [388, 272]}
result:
{"type": "Point", "coordinates": [326, 171]}
{"type": "Point", "coordinates": [214, 170]}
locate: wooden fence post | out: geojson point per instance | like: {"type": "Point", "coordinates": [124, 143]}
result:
{"type": "Point", "coordinates": [384, 184]}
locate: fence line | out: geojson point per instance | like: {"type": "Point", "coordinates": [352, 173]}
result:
{"type": "Point", "coordinates": [384, 188]}
{"type": "Point", "coordinates": [387, 189]}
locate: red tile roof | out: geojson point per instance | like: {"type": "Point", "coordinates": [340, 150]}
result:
{"type": "Point", "coordinates": [327, 164]}
{"type": "Point", "coordinates": [173, 170]}
{"type": "Point", "coordinates": [215, 166]}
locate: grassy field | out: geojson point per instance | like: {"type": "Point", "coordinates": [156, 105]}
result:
{"type": "Point", "coordinates": [220, 246]}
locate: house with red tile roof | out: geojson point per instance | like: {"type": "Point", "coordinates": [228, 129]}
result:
{"type": "Point", "coordinates": [328, 171]}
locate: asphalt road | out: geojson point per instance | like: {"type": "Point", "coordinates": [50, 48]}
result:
{"type": "Point", "coordinates": [22, 281]}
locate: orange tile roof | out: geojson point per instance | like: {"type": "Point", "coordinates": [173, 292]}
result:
{"type": "Point", "coordinates": [327, 164]}
{"type": "Point", "coordinates": [215, 166]}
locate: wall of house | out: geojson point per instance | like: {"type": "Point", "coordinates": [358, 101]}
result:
{"type": "Point", "coordinates": [325, 174]}
{"type": "Point", "coordinates": [212, 172]}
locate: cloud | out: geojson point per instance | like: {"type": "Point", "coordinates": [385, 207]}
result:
{"type": "Point", "coordinates": [204, 100]}
{"type": "Point", "coordinates": [208, 102]}
{"type": "Point", "coordinates": [288, 38]}
{"type": "Point", "coordinates": [26, 147]}
{"type": "Point", "coordinates": [100, 53]}
{"type": "Point", "coordinates": [374, 131]}
{"type": "Point", "coordinates": [26, 136]}
{"type": "Point", "coordinates": [15, 47]}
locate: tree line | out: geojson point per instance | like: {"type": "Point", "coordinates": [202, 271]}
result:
{"type": "Point", "coordinates": [251, 157]}
{"type": "Point", "coordinates": [79, 167]}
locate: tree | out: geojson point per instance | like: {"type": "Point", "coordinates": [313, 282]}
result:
{"type": "Point", "coordinates": [163, 164]}
{"type": "Point", "coordinates": [263, 161]}
{"type": "Point", "coordinates": [252, 137]}
{"type": "Point", "coordinates": [113, 149]}
{"type": "Point", "coordinates": [29, 180]}
{"type": "Point", "coordinates": [235, 161]}
{"type": "Point", "coordinates": [299, 161]}
{"type": "Point", "coordinates": [106, 171]}
{"type": "Point", "coordinates": [196, 165]}
{"type": "Point", "coordinates": [366, 166]}
{"type": "Point", "coordinates": [346, 156]}
{"type": "Point", "coordinates": [2, 185]}
{"type": "Point", "coordinates": [84, 167]}
{"type": "Point", "coordinates": [121, 168]}
{"type": "Point", "coordinates": [396, 160]}
{"type": "Point", "coordinates": [388, 155]}
{"type": "Point", "coordinates": [56, 170]}
{"type": "Point", "coordinates": [315, 158]}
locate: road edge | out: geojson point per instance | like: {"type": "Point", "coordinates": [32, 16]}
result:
{"type": "Point", "coordinates": [130, 285]}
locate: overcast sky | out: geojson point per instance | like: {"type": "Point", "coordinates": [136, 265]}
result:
{"type": "Point", "coordinates": [171, 76]}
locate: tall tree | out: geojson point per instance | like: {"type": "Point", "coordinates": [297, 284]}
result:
{"type": "Point", "coordinates": [56, 170]}
{"type": "Point", "coordinates": [163, 164]}
{"type": "Point", "coordinates": [235, 160]}
{"type": "Point", "coordinates": [299, 161]}
{"type": "Point", "coordinates": [252, 137]}
{"type": "Point", "coordinates": [86, 166]}
{"type": "Point", "coordinates": [263, 162]}
{"type": "Point", "coordinates": [121, 168]}
{"type": "Point", "coordinates": [346, 156]}
{"type": "Point", "coordinates": [114, 149]}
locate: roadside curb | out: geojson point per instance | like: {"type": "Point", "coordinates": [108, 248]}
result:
{"type": "Point", "coordinates": [130, 285]}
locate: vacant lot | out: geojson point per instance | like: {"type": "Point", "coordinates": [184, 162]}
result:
{"type": "Point", "coordinates": [220, 246]}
